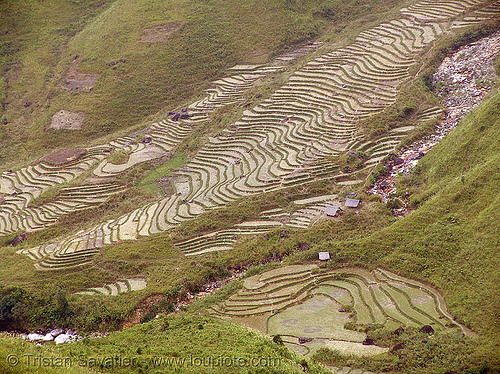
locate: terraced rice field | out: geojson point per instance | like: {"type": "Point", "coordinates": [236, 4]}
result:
{"type": "Point", "coordinates": [285, 140]}
{"type": "Point", "coordinates": [489, 12]}
{"type": "Point", "coordinates": [308, 211]}
{"type": "Point", "coordinates": [114, 289]}
{"type": "Point", "coordinates": [306, 301]}
{"type": "Point", "coordinates": [224, 239]}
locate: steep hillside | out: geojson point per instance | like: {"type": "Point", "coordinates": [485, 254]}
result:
{"type": "Point", "coordinates": [451, 240]}
{"type": "Point", "coordinates": [115, 63]}
{"type": "Point", "coordinates": [183, 210]}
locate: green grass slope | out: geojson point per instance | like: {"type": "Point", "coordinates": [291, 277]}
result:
{"type": "Point", "coordinates": [175, 344]}
{"type": "Point", "coordinates": [452, 239]}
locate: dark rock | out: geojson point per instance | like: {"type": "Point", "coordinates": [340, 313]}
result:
{"type": "Point", "coordinates": [398, 331]}
{"type": "Point", "coordinates": [398, 161]}
{"type": "Point", "coordinates": [184, 110]}
{"type": "Point", "coordinates": [258, 96]}
{"type": "Point", "coordinates": [235, 237]}
{"type": "Point", "coordinates": [237, 267]}
{"type": "Point", "coordinates": [305, 339]}
{"type": "Point", "coordinates": [184, 116]}
{"type": "Point", "coordinates": [147, 139]}
{"type": "Point", "coordinates": [427, 329]}
{"type": "Point", "coordinates": [303, 246]}
{"type": "Point", "coordinates": [368, 341]}
{"type": "Point", "coordinates": [18, 239]}
{"type": "Point", "coordinates": [5, 121]}
{"type": "Point", "coordinates": [28, 104]}
{"type": "Point", "coordinates": [283, 234]}
{"type": "Point", "coordinates": [397, 347]}
{"type": "Point", "coordinates": [176, 116]}
{"type": "Point", "coordinates": [171, 113]}
{"type": "Point", "coordinates": [246, 105]}
{"type": "Point", "coordinates": [114, 67]}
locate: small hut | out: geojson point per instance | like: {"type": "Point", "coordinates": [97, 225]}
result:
{"type": "Point", "coordinates": [324, 256]}
{"type": "Point", "coordinates": [332, 210]}
{"type": "Point", "coordinates": [351, 203]}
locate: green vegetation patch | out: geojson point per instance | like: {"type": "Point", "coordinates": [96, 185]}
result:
{"type": "Point", "coordinates": [174, 344]}
{"type": "Point", "coordinates": [163, 170]}
{"type": "Point", "coordinates": [118, 156]}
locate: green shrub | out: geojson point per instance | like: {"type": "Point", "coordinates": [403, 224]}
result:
{"type": "Point", "coordinates": [278, 339]}
{"type": "Point", "coordinates": [118, 156]}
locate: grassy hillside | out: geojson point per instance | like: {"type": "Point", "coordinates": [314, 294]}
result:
{"type": "Point", "coordinates": [148, 56]}
{"type": "Point", "coordinates": [142, 56]}
{"type": "Point", "coordinates": [161, 346]}
{"type": "Point", "coordinates": [452, 239]}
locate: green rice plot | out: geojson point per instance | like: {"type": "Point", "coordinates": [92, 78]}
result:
{"type": "Point", "coordinates": [389, 307]}
{"type": "Point", "coordinates": [252, 309]}
{"type": "Point", "coordinates": [346, 348]}
{"type": "Point", "coordinates": [423, 301]}
{"type": "Point", "coordinates": [287, 271]}
{"type": "Point", "coordinates": [405, 307]}
{"type": "Point", "coordinates": [161, 171]}
{"type": "Point", "coordinates": [317, 317]}
{"type": "Point", "coordinates": [295, 347]}
{"type": "Point", "coordinates": [292, 289]}
{"type": "Point", "coordinates": [363, 314]}
{"type": "Point", "coordinates": [254, 322]}
{"type": "Point", "coordinates": [375, 311]}
{"type": "Point", "coordinates": [340, 295]}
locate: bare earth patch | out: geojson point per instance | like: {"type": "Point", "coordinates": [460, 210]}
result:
{"type": "Point", "coordinates": [66, 120]}
{"type": "Point", "coordinates": [79, 81]}
{"type": "Point", "coordinates": [64, 156]}
{"type": "Point", "coordinates": [160, 33]}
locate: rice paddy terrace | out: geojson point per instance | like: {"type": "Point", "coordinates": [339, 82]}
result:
{"type": "Point", "coordinates": [311, 307]}
{"type": "Point", "coordinates": [115, 289]}
{"type": "Point", "coordinates": [285, 140]}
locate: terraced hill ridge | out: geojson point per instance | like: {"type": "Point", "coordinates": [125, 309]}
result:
{"type": "Point", "coordinates": [115, 289]}
{"type": "Point", "coordinates": [286, 140]}
{"type": "Point", "coordinates": [305, 301]}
